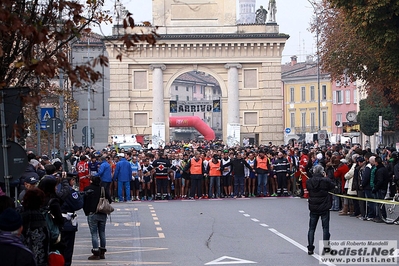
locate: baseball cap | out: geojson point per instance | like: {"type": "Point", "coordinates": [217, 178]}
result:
{"type": "Point", "coordinates": [30, 180]}
{"type": "Point", "coordinates": [360, 159]}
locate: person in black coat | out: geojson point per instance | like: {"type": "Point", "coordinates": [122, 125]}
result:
{"type": "Point", "coordinates": [238, 167]}
{"type": "Point", "coordinates": [96, 221]}
{"type": "Point", "coordinates": [12, 250]}
{"type": "Point", "coordinates": [53, 203]}
{"type": "Point", "coordinates": [320, 203]}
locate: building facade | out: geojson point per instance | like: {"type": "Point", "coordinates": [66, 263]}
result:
{"type": "Point", "coordinates": [93, 99]}
{"type": "Point", "coordinates": [244, 59]}
{"type": "Point", "coordinates": [307, 100]}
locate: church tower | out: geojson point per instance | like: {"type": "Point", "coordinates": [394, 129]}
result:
{"type": "Point", "coordinates": [247, 11]}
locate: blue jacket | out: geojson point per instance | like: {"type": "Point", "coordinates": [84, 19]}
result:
{"type": "Point", "coordinates": [105, 172]}
{"type": "Point", "coordinates": [123, 171]}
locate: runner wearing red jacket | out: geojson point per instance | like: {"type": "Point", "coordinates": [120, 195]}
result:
{"type": "Point", "coordinates": [303, 162]}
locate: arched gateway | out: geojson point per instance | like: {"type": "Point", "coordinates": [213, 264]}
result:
{"type": "Point", "coordinates": [244, 59]}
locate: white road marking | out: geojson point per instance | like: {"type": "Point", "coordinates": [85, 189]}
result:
{"type": "Point", "coordinates": [264, 225]}
{"type": "Point", "coordinates": [255, 220]}
{"type": "Point", "coordinates": [246, 215]}
{"type": "Point", "coordinates": [305, 249]}
{"type": "Point", "coordinates": [228, 260]}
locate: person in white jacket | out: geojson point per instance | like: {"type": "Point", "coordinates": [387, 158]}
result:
{"type": "Point", "coordinates": [353, 204]}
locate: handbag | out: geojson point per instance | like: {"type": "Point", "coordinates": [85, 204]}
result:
{"type": "Point", "coordinates": [103, 205]}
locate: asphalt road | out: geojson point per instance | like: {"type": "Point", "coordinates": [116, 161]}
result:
{"type": "Point", "coordinates": [250, 231]}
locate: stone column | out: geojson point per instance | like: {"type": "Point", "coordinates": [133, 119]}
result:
{"type": "Point", "coordinates": [233, 108]}
{"type": "Point", "coordinates": [232, 87]}
{"type": "Point", "coordinates": [158, 109]}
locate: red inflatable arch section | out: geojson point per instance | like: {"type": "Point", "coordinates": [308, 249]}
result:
{"type": "Point", "coordinates": [193, 121]}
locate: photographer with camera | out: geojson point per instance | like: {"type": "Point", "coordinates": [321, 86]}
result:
{"type": "Point", "coordinates": [72, 202]}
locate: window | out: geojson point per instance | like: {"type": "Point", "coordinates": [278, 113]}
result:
{"type": "Point", "coordinates": [188, 98]}
{"type": "Point", "coordinates": [337, 97]}
{"type": "Point", "coordinates": [250, 78]}
{"type": "Point", "coordinates": [194, 89]}
{"type": "Point", "coordinates": [250, 118]}
{"type": "Point", "coordinates": [347, 96]}
{"type": "Point", "coordinates": [355, 96]}
{"type": "Point", "coordinates": [140, 80]}
{"type": "Point", "coordinates": [312, 121]}
{"type": "Point", "coordinates": [292, 95]}
{"type": "Point", "coordinates": [303, 121]}
{"type": "Point", "coordinates": [187, 89]}
{"type": "Point", "coordinates": [312, 97]}
{"type": "Point", "coordinates": [202, 90]}
{"type": "Point", "coordinates": [177, 97]}
{"type": "Point", "coordinates": [324, 92]}
{"type": "Point", "coordinates": [292, 118]}
{"type": "Point", "coordinates": [303, 94]}
{"type": "Point", "coordinates": [339, 119]}
{"type": "Point", "coordinates": [176, 88]}
{"type": "Point", "coordinates": [324, 114]}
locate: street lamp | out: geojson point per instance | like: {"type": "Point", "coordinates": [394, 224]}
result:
{"type": "Point", "coordinates": [317, 62]}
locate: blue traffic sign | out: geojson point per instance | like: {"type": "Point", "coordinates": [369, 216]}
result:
{"type": "Point", "coordinates": [288, 130]}
{"type": "Point", "coordinates": [46, 114]}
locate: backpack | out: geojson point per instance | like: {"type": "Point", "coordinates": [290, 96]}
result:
{"type": "Point", "coordinates": [53, 229]}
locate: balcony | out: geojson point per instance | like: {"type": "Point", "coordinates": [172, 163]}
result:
{"type": "Point", "coordinates": [308, 129]}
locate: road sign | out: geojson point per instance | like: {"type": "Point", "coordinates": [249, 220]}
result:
{"type": "Point", "coordinates": [54, 125]}
{"type": "Point", "coordinates": [322, 135]}
{"type": "Point", "coordinates": [288, 130]}
{"type": "Point", "coordinates": [337, 123]}
{"type": "Point", "coordinates": [46, 114]}
{"type": "Point", "coordinates": [385, 123]}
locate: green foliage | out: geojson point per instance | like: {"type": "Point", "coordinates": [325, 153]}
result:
{"type": "Point", "coordinates": [370, 110]}
{"type": "Point", "coordinates": [361, 38]}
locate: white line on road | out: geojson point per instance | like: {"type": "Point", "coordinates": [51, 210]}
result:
{"type": "Point", "coordinates": [246, 215]}
{"type": "Point", "coordinates": [255, 220]}
{"type": "Point", "coordinates": [264, 225]}
{"type": "Point", "coordinates": [241, 211]}
{"type": "Point", "coordinates": [292, 241]}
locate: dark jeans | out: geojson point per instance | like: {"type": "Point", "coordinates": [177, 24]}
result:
{"type": "Point", "coordinates": [370, 206]}
{"type": "Point", "coordinates": [380, 194]}
{"type": "Point", "coordinates": [325, 222]}
{"type": "Point", "coordinates": [239, 185]}
{"type": "Point", "coordinates": [262, 182]}
{"type": "Point", "coordinates": [106, 186]}
{"type": "Point", "coordinates": [196, 185]}
{"type": "Point", "coordinates": [213, 180]}
{"type": "Point", "coordinates": [97, 222]}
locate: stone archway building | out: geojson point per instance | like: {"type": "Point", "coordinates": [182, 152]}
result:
{"type": "Point", "coordinates": [244, 59]}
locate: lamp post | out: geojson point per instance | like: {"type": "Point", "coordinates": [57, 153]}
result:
{"type": "Point", "coordinates": [317, 64]}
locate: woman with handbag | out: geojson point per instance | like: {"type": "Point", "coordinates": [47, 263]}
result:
{"type": "Point", "coordinates": [96, 220]}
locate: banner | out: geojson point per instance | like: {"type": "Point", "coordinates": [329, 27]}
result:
{"type": "Point", "coordinates": [195, 106]}
{"type": "Point", "coordinates": [173, 106]}
{"type": "Point", "coordinates": [216, 106]}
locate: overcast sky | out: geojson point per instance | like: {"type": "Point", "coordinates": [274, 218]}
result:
{"type": "Point", "coordinates": [293, 17]}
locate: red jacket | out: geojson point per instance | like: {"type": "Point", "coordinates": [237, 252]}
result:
{"type": "Point", "coordinates": [303, 162]}
{"type": "Point", "coordinates": [342, 169]}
